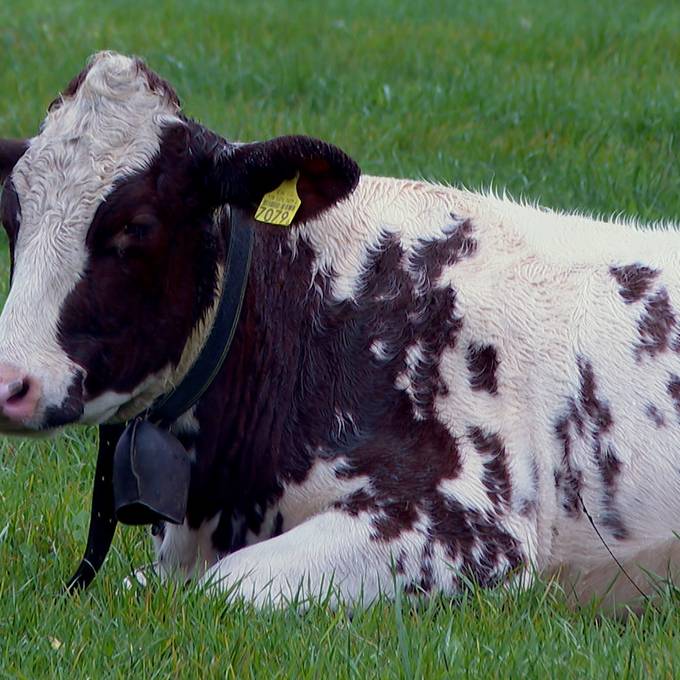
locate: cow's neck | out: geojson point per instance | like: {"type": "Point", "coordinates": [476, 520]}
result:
{"type": "Point", "coordinates": [243, 417]}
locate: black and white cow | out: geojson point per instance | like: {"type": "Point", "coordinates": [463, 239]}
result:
{"type": "Point", "coordinates": [426, 385]}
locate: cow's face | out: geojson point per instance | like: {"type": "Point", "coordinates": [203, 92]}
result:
{"type": "Point", "coordinates": [112, 214]}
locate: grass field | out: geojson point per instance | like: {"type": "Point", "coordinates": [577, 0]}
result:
{"type": "Point", "coordinates": [574, 104]}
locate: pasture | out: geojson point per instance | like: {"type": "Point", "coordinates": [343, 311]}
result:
{"type": "Point", "coordinates": [576, 106]}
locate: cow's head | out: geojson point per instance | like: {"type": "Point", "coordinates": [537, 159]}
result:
{"type": "Point", "coordinates": [111, 213]}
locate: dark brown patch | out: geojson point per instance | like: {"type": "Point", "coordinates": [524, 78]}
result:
{"type": "Point", "coordinates": [655, 415]}
{"type": "Point", "coordinates": [605, 456]}
{"type": "Point", "coordinates": [597, 410]}
{"type": "Point", "coordinates": [402, 485]}
{"type": "Point", "coordinates": [656, 324]}
{"type": "Point", "coordinates": [278, 525]}
{"type": "Point", "coordinates": [591, 419]}
{"type": "Point", "coordinates": [158, 84]}
{"type": "Point", "coordinates": [482, 363]}
{"type": "Point", "coordinates": [400, 563]}
{"type": "Point", "coordinates": [11, 217]}
{"type": "Point", "coordinates": [496, 478]}
{"type": "Point", "coordinates": [426, 576]}
{"type": "Point", "coordinates": [70, 89]}
{"type": "Point", "coordinates": [406, 458]}
{"type": "Point", "coordinates": [658, 321]}
{"type": "Point", "coordinates": [568, 479]}
{"type": "Point", "coordinates": [634, 281]}
{"type": "Point", "coordinates": [11, 150]}
{"type": "Point", "coordinates": [71, 407]}
{"type": "Point", "coordinates": [461, 529]}
{"type": "Point", "coordinates": [610, 469]}
{"type": "Point", "coordinates": [674, 392]}
{"type": "Point", "coordinates": [433, 255]}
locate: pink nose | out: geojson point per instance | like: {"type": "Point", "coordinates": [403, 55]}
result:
{"type": "Point", "coordinates": [19, 393]}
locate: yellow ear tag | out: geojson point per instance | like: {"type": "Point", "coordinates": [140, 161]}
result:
{"type": "Point", "coordinates": [279, 206]}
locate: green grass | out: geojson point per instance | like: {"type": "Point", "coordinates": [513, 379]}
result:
{"type": "Point", "coordinates": [574, 104]}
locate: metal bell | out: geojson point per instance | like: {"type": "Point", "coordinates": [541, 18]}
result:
{"type": "Point", "coordinates": [151, 473]}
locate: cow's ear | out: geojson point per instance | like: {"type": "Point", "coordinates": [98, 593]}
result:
{"type": "Point", "coordinates": [11, 150]}
{"type": "Point", "coordinates": [325, 174]}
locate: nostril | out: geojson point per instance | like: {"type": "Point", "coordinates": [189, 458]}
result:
{"type": "Point", "coordinates": [18, 390]}
{"type": "Point", "coordinates": [20, 394]}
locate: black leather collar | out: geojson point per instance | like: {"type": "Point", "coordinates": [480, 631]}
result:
{"type": "Point", "coordinates": [206, 367]}
{"type": "Point", "coordinates": [171, 406]}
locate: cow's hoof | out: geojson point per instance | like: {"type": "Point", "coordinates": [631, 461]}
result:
{"type": "Point", "coordinates": [139, 578]}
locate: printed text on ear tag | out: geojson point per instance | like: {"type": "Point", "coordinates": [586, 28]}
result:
{"type": "Point", "coordinates": [279, 206]}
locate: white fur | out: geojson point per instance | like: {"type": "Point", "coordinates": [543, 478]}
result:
{"type": "Point", "coordinates": [326, 556]}
{"type": "Point", "coordinates": [317, 493]}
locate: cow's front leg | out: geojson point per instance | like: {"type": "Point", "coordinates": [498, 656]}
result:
{"type": "Point", "coordinates": [337, 557]}
{"type": "Point", "coordinates": [332, 554]}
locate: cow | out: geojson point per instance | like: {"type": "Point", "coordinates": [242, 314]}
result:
{"type": "Point", "coordinates": [427, 387]}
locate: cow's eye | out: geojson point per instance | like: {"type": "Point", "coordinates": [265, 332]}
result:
{"type": "Point", "coordinates": [132, 237]}
{"type": "Point", "coordinates": [137, 229]}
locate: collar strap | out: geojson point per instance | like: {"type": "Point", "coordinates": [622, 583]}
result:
{"type": "Point", "coordinates": [171, 406]}
{"type": "Point", "coordinates": [102, 516]}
